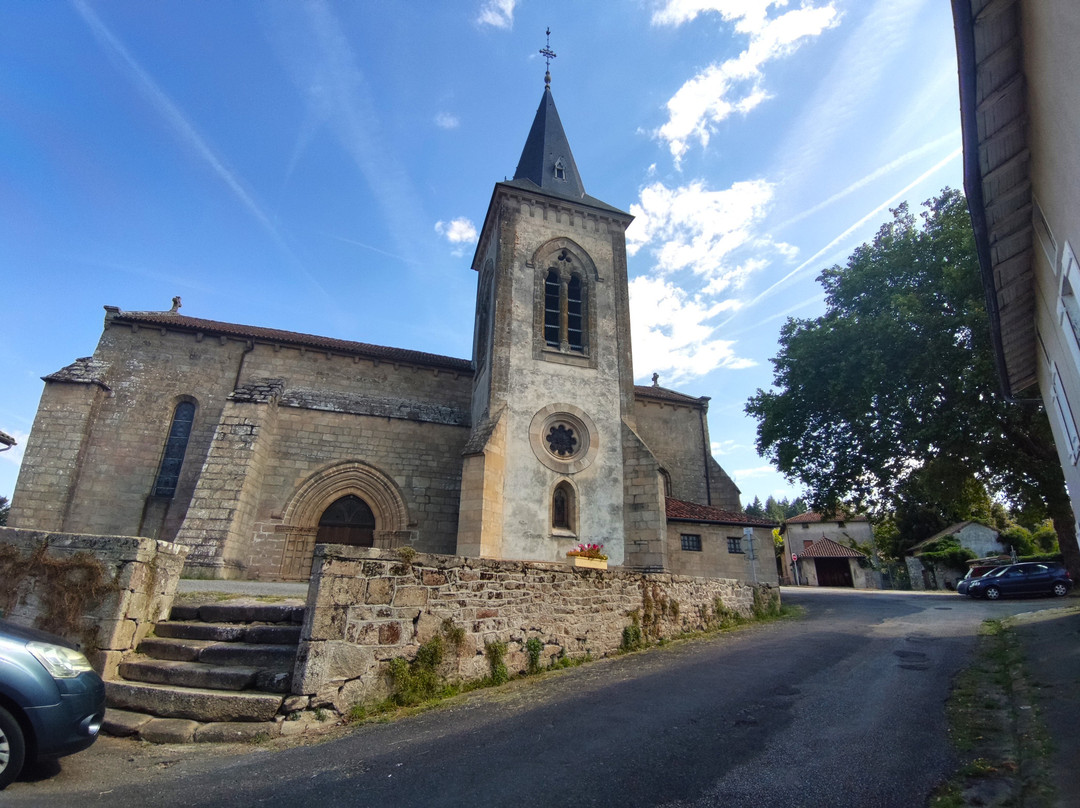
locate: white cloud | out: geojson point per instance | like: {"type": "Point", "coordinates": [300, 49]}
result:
{"type": "Point", "coordinates": [735, 85]}
{"type": "Point", "coordinates": [696, 229]}
{"type": "Point", "coordinates": [705, 245]}
{"type": "Point", "coordinates": [498, 13]}
{"type": "Point", "coordinates": [724, 447]}
{"type": "Point", "coordinates": [460, 232]}
{"type": "Point", "coordinates": [672, 336]}
{"type": "Point", "coordinates": [445, 120]}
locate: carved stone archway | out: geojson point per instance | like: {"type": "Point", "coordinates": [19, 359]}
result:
{"type": "Point", "coordinates": [301, 518]}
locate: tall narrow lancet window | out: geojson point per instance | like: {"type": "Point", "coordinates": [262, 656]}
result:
{"type": "Point", "coordinates": [575, 337]}
{"type": "Point", "coordinates": [348, 520]}
{"type": "Point", "coordinates": [552, 309]}
{"type": "Point", "coordinates": [175, 447]}
{"type": "Point", "coordinates": [562, 508]}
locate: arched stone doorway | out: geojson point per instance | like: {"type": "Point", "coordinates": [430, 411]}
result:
{"type": "Point", "coordinates": [348, 520]}
{"type": "Point", "coordinates": [333, 506]}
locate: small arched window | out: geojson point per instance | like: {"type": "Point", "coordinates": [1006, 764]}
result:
{"type": "Point", "coordinates": [348, 520]}
{"type": "Point", "coordinates": [172, 458]}
{"type": "Point", "coordinates": [563, 509]}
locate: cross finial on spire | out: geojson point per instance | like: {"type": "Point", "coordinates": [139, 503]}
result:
{"type": "Point", "coordinates": [548, 55]}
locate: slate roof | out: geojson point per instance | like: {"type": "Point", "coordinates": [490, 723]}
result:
{"type": "Point", "coordinates": [181, 322]}
{"type": "Point", "coordinates": [85, 370]}
{"type": "Point", "coordinates": [827, 548]}
{"type": "Point", "coordinates": [547, 144]}
{"type": "Point", "coordinates": [680, 511]}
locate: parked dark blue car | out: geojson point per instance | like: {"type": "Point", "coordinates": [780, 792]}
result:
{"type": "Point", "coordinates": [1028, 578]}
{"type": "Point", "coordinates": [52, 703]}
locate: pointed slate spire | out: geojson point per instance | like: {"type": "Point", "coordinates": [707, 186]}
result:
{"type": "Point", "coordinates": [546, 159]}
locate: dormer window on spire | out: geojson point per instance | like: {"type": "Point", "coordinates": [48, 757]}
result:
{"type": "Point", "coordinates": [560, 170]}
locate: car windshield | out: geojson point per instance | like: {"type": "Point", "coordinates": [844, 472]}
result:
{"type": "Point", "coordinates": [997, 572]}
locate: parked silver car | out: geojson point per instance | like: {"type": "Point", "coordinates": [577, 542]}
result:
{"type": "Point", "coordinates": [52, 702]}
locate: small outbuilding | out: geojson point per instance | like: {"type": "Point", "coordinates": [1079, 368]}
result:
{"type": "Point", "coordinates": [929, 572]}
{"type": "Point", "coordinates": [829, 563]}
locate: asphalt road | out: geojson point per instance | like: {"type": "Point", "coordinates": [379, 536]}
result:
{"type": "Point", "coordinates": [841, 708]}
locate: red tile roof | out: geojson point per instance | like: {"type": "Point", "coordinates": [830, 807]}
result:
{"type": "Point", "coordinates": [815, 517]}
{"type": "Point", "coordinates": [681, 511]}
{"type": "Point", "coordinates": [271, 335]}
{"type": "Point", "coordinates": [827, 548]}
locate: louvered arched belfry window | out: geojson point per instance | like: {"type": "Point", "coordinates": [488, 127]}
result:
{"type": "Point", "coordinates": [564, 308]}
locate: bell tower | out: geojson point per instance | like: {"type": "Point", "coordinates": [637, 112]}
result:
{"type": "Point", "coordinates": [553, 390]}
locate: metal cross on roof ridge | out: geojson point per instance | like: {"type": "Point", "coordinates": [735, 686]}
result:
{"type": "Point", "coordinates": [548, 55]}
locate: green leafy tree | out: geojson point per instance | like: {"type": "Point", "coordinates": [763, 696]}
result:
{"type": "Point", "coordinates": [756, 509]}
{"type": "Point", "coordinates": [1019, 539]}
{"type": "Point", "coordinates": [1045, 538]}
{"type": "Point", "coordinates": [898, 375]}
{"type": "Point", "coordinates": [4, 508]}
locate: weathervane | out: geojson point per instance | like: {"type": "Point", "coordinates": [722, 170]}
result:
{"type": "Point", "coordinates": [548, 55]}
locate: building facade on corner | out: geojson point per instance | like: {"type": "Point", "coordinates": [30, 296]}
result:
{"type": "Point", "coordinates": [1020, 110]}
{"type": "Point", "coordinates": [251, 444]}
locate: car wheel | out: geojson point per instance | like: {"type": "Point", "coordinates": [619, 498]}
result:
{"type": "Point", "coordinates": [992, 593]}
{"type": "Point", "coordinates": [1060, 590]}
{"type": "Point", "coordinates": [12, 748]}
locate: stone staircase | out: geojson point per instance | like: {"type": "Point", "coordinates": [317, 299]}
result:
{"type": "Point", "coordinates": [216, 671]}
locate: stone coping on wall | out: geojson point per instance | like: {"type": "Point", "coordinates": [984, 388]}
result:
{"type": "Point", "coordinates": [103, 593]}
{"type": "Point", "coordinates": [367, 607]}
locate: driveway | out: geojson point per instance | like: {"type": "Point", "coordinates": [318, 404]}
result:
{"type": "Point", "coordinates": [842, 708]}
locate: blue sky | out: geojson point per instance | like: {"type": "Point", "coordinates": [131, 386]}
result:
{"type": "Point", "coordinates": [322, 167]}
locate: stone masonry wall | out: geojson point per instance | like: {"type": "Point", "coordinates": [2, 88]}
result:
{"type": "Point", "coordinates": [673, 432]}
{"type": "Point", "coordinates": [715, 557]}
{"type": "Point", "coordinates": [46, 584]}
{"type": "Point", "coordinates": [366, 607]}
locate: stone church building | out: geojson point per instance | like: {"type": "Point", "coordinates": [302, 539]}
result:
{"type": "Point", "coordinates": [251, 444]}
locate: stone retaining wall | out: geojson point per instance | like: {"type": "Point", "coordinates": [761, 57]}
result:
{"type": "Point", "coordinates": [102, 592]}
{"type": "Point", "coordinates": [366, 607]}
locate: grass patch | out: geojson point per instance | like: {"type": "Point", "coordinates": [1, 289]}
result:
{"type": "Point", "coordinates": [995, 725]}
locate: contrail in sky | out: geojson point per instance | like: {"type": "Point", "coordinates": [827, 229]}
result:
{"type": "Point", "coordinates": [809, 261]}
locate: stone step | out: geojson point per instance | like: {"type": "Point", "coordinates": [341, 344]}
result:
{"type": "Point", "coordinates": [240, 611]}
{"type": "Point", "coordinates": [179, 650]}
{"type": "Point", "coordinates": [276, 634]}
{"type": "Point", "coordinates": [188, 674]}
{"type": "Point", "coordinates": [193, 704]}
{"type": "Point", "coordinates": [202, 675]}
{"type": "Point", "coordinates": [277, 657]}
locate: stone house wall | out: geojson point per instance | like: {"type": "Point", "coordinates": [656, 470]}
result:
{"type": "Point", "coordinates": [366, 607]}
{"type": "Point", "coordinates": [714, 559]}
{"type": "Point", "coordinates": [982, 540]}
{"type": "Point", "coordinates": [798, 533]}
{"type": "Point", "coordinates": [47, 581]}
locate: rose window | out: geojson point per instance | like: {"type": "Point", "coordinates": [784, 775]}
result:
{"type": "Point", "coordinates": [561, 440]}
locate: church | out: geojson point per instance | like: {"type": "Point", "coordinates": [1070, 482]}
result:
{"type": "Point", "coordinates": [250, 445]}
